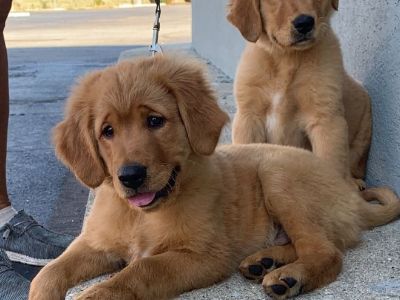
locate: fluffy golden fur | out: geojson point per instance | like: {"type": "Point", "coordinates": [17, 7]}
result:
{"type": "Point", "coordinates": [224, 210]}
{"type": "Point", "coordinates": [292, 89]}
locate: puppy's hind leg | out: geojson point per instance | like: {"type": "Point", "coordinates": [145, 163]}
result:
{"type": "Point", "coordinates": [358, 115]}
{"type": "Point", "coordinates": [319, 262]}
{"type": "Point", "coordinates": [359, 149]}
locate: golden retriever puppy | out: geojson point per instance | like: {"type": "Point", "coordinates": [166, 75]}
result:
{"type": "Point", "coordinates": [291, 87]}
{"type": "Point", "coordinates": [182, 216]}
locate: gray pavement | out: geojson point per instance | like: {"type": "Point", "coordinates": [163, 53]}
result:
{"type": "Point", "coordinates": [371, 271]}
{"type": "Point", "coordinates": [40, 79]}
{"type": "Point", "coordinates": [47, 52]}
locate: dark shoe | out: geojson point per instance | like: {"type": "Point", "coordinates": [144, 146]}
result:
{"type": "Point", "coordinates": [13, 286]}
{"type": "Point", "coordinates": [25, 241]}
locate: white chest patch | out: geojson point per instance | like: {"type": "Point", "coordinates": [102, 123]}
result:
{"type": "Point", "coordinates": [272, 117]}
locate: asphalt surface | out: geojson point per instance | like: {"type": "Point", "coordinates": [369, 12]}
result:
{"type": "Point", "coordinates": [47, 52]}
{"type": "Point", "coordinates": [39, 83]}
{"type": "Point", "coordinates": [40, 79]}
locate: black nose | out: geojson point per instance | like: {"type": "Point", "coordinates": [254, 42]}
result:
{"type": "Point", "coordinates": [132, 176]}
{"type": "Point", "coordinates": [304, 24]}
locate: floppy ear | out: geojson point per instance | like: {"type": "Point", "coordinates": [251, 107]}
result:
{"type": "Point", "coordinates": [245, 15]}
{"type": "Point", "coordinates": [335, 4]}
{"type": "Point", "coordinates": [74, 137]}
{"type": "Point", "coordinates": [197, 104]}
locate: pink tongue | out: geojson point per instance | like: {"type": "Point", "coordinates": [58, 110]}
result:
{"type": "Point", "coordinates": [142, 199]}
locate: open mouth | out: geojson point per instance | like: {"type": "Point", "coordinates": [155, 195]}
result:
{"type": "Point", "coordinates": [148, 199]}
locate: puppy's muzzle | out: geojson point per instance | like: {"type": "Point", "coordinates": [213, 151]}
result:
{"type": "Point", "coordinates": [132, 176]}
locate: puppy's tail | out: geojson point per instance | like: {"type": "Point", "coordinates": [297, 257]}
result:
{"type": "Point", "coordinates": [382, 213]}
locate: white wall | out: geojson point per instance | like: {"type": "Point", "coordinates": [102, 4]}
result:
{"type": "Point", "coordinates": [213, 37]}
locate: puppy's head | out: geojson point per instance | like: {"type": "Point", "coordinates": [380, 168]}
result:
{"type": "Point", "coordinates": [135, 125]}
{"type": "Point", "coordinates": [289, 24]}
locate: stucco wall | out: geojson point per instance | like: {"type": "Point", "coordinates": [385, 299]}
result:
{"type": "Point", "coordinates": [369, 31]}
{"type": "Point", "coordinates": [213, 37]}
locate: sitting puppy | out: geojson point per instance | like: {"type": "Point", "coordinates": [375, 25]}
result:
{"type": "Point", "coordinates": [182, 216]}
{"type": "Point", "coordinates": [291, 87]}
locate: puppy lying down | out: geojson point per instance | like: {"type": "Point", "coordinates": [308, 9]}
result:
{"type": "Point", "coordinates": [181, 215]}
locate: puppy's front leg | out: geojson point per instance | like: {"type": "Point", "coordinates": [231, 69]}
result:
{"type": "Point", "coordinates": [329, 140]}
{"type": "Point", "coordinates": [248, 128]}
{"type": "Point", "coordinates": [79, 262]}
{"type": "Point", "coordinates": [162, 276]}
{"type": "Point", "coordinates": [249, 122]}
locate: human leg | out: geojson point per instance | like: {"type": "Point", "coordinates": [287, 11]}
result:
{"type": "Point", "coordinates": [4, 105]}
{"type": "Point", "coordinates": [23, 239]}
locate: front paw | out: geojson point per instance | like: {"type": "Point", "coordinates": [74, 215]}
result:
{"type": "Point", "coordinates": [46, 286]}
{"type": "Point", "coordinates": [100, 291]}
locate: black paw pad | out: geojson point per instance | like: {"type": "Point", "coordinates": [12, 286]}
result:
{"type": "Point", "coordinates": [256, 270]}
{"type": "Point", "coordinates": [267, 262]}
{"type": "Point", "coordinates": [279, 289]}
{"type": "Point", "coordinates": [291, 282]}
{"type": "Point", "coordinates": [278, 265]}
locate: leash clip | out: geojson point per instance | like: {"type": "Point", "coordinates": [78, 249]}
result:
{"type": "Point", "coordinates": [155, 48]}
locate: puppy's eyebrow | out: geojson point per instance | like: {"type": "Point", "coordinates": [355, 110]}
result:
{"type": "Point", "coordinates": [128, 88]}
{"type": "Point", "coordinates": [154, 108]}
{"type": "Point", "coordinates": [116, 99]}
{"type": "Point", "coordinates": [122, 101]}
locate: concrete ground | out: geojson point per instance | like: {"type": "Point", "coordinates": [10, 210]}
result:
{"type": "Point", "coordinates": [371, 271]}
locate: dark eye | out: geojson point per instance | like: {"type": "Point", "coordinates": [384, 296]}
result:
{"type": "Point", "coordinates": [107, 132]}
{"type": "Point", "coordinates": [154, 122]}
